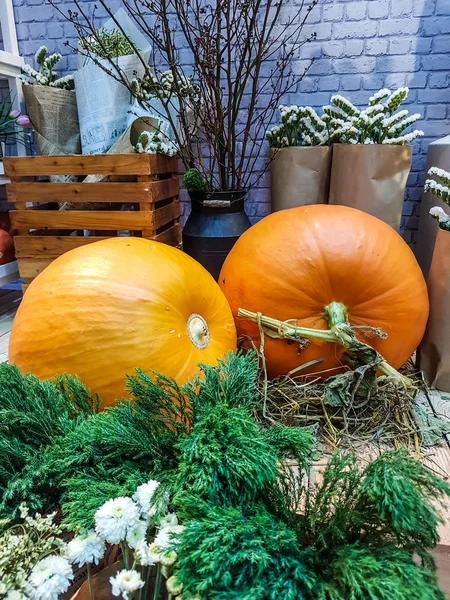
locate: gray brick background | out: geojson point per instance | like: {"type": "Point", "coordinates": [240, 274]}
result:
{"type": "Point", "coordinates": [361, 46]}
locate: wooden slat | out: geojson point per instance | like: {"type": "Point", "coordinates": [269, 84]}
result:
{"type": "Point", "coordinates": [94, 164]}
{"type": "Point", "coordinates": [165, 214]}
{"type": "Point", "coordinates": [29, 246]}
{"type": "Point", "coordinates": [171, 236]}
{"type": "Point", "coordinates": [29, 268]}
{"type": "Point", "coordinates": [132, 192]}
{"type": "Point", "coordinates": [82, 219]}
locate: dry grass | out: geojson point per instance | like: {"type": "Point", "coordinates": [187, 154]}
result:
{"type": "Point", "coordinates": [381, 413]}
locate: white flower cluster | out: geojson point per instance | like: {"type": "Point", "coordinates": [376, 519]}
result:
{"type": "Point", "coordinates": [156, 142]}
{"type": "Point", "coordinates": [301, 125]}
{"type": "Point", "coordinates": [129, 521]}
{"type": "Point", "coordinates": [343, 122]}
{"type": "Point", "coordinates": [441, 189]}
{"type": "Point", "coordinates": [46, 76]}
{"type": "Point", "coordinates": [36, 565]}
{"type": "Point", "coordinates": [32, 561]}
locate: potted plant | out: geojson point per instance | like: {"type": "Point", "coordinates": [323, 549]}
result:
{"type": "Point", "coordinates": [371, 155]}
{"type": "Point", "coordinates": [434, 351]}
{"type": "Point", "coordinates": [301, 158]}
{"type": "Point", "coordinates": [239, 56]}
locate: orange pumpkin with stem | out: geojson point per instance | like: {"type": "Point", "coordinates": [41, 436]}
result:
{"type": "Point", "coordinates": [325, 267]}
{"type": "Point", "coordinates": [102, 310]}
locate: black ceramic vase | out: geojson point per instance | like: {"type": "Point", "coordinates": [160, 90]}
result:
{"type": "Point", "coordinates": [216, 221]}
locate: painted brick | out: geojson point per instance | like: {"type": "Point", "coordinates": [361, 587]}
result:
{"type": "Point", "coordinates": [378, 9]}
{"type": "Point", "coordinates": [397, 64]}
{"type": "Point", "coordinates": [335, 49]}
{"type": "Point", "coordinates": [436, 62]}
{"type": "Point", "coordinates": [423, 8]}
{"type": "Point", "coordinates": [376, 47]}
{"type": "Point", "coordinates": [438, 111]}
{"type": "Point", "coordinates": [330, 83]}
{"type": "Point", "coordinates": [400, 46]}
{"type": "Point", "coordinates": [356, 11]}
{"type": "Point", "coordinates": [350, 82]}
{"type": "Point", "coordinates": [442, 7]}
{"type": "Point", "coordinates": [399, 27]}
{"type": "Point", "coordinates": [436, 25]}
{"type": "Point", "coordinates": [401, 9]}
{"type": "Point", "coordinates": [439, 80]}
{"type": "Point", "coordinates": [354, 47]}
{"type": "Point", "coordinates": [348, 30]}
{"type": "Point", "coordinates": [355, 65]}
{"type": "Point", "coordinates": [333, 12]}
{"type": "Point", "coordinates": [416, 80]}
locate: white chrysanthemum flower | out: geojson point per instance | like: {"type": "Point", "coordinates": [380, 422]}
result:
{"type": "Point", "coordinates": [125, 583]}
{"type": "Point", "coordinates": [83, 549]}
{"type": "Point", "coordinates": [50, 577]}
{"type": "Point", "coordinates": [115, 518]}
{"type": "Point", "coordinates": [146, 555]}
{"type": "Point", "coordinates": [144, 494]}
{"type": "Point", "coordinates": [167, 536]}
{"type": "Point", "coordinates": [168, 558]}
{"type": "Point", "coordinates": [173, 587]}
{"type": "Point", "coordinates": [16, 595]}
{"type": "Point", "coordinates": [169, 520]}
{"type": "Point", "coordinates": [136, 534]}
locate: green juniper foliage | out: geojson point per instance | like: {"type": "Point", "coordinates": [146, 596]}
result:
{"type": "Point", "coordinates": [254, 529]}
{"type": "Point", "coordinates": [34, 415]}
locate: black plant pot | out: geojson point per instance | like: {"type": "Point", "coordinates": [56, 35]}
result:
{"type": "Point", "coordinates": [216, 221]}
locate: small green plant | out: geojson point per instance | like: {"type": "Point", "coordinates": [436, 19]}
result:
{"type": "Point", "coordinates": [193, 181]}
{"type": "Point", "coordinates": [107, 43]}
{"type": "Point", "coordinates": [156, 142]}
{"type": "Point", "coordinates": [46, 75]}
{"type": "Point", "coordinates": [441, 189]}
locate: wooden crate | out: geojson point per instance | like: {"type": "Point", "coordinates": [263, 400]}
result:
{"type": "Point", "coordinates": [41, 235]}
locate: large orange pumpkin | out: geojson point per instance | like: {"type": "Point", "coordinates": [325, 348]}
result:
{"type": "Point", "coordinates": [6, 247]}
{"type": "Point", "coordinates": [102, 310]}
{"type": "Point", "coordinates": [294, 263]}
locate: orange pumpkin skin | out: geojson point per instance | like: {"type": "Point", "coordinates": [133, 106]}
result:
{"type": "Point", "coordinates": [6, 248]}
{"type": "Point", "coordinates": [102, 310]}
{"type": "Point", "coordinates": [293, 263]}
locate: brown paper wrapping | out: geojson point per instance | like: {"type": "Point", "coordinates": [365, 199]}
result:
{"type": "Point", "coordinates": [434, 351]}
{"type": "Point", "coordinates": [438, 156]}
{"type": "Point", "coordinates": [300, 175]}
{"type": "Point", "coordinates": [53, 114]}
{"type": "Point", "coordinates": [371, 178]}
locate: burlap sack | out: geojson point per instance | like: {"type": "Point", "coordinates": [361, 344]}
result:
{"type": "Point", "coordinates": [438, 156]}
{"type": "Point", "coordinates": [434, 351]}
{"type": "Point", "coordinates": [371, 178]}
{"type": "Point", "coordinates": [299, 176]}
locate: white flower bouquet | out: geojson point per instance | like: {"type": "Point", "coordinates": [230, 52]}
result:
{"type": "Point", "coordinates": [35, 564]}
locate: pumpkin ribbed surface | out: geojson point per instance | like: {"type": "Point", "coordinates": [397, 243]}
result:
{"type": "Point", "coordinates": [102, 310]}
{"type": "Point", "coordinates": [294, 263]}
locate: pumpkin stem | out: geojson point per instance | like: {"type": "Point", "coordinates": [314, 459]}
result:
{"type": "Point", "coordinates": [335, 314]}
{"type": "Point", "coordinates": [340, 332]}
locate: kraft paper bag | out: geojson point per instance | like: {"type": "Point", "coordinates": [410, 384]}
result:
{"type": "Point", "coordinates": [434, 351]}
{"type": "Point", "coordinates": [438, 156]}
{"type": "Point", "coordinates": [300, 175]}
{"type": "Point", "coordinates": [371, 178]}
